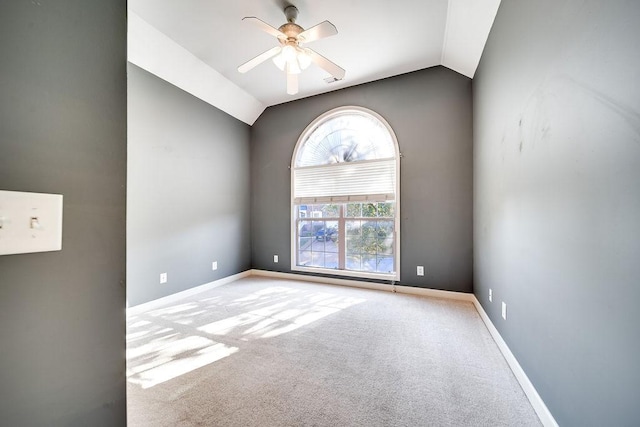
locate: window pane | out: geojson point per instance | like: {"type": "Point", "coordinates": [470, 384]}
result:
{"type": "Point", "coordinates": [353, 262]}
{"type": "Point", "coordinates": [385, 246]}
{"type": "Point", "coordinates": [316, 211]}
{"type": "Point", "coordinates": [318, 226]}
{"type": "Point", "coordinates": [369, 262]}
{"type": "Point", "coordinates": [347, 137]}
{"type": "Point", "coordinates": [386, 210]}
{"type": "Point", "coordinates": [332, 247]}
{"type": "Point", "coordinates": [305, 243]}
{"type": "Point", "coordinates": [332, 227]}
{"type": "Point", "coordinates": [368, 229]}
{"type": "Point", "coordinates": [354, 210]}
{"type": "Point", "coordinates": [304, 258]}
{"type": "Point", "coordinates": [305, 229]}
{"type": "Point", "coordinates": [385, 265]}
{"type": "Point", "coordinates": [369, 210]}
{"type": "Point", "coordinates": [303, 211]}
{"type": "Point", "coordinates": [317, 259]}
{"type": "Point", "coordinates": [385, 229]}
{"type": "Point", "coordinates": [353, 228]}
{"type": "Point", "coordinates": [370, 246]}
{"type": "Point", "coordinates": [331, 260]}
{"type": "Point", "coordinates": [331, 236]}
{"type": "Point", "coordinates": [331, 211]}
{"type": "Point", "coordinates": [317, 245]}
{"type": "Point", "coordinates": [354, 245]}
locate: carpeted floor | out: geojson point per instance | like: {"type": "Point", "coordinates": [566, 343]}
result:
{"type": "Point", "coordinates": [265, 352]}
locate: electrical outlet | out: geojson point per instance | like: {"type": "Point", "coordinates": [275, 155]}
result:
{"type": "Point", "coordinates": [214, 265]}
{"type": "Point", "coordinates": [490, 295]}
{"type": "Point", "coordinates": [504, 310]}
{"type": "Point", "coordinates": [163, 277]}
{"type": "Point", "coordinates": [420, 270]}
{"type": "Point", "coordinates": [275, 258]}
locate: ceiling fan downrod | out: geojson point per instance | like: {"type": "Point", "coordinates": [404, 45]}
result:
{"type": "Point", "coordinates": [291, 13]}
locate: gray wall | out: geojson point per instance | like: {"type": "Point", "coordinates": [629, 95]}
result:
{"type": "Point", "coordinates": [557, 200]}
{"type": "Point", "coordinates": [188, 190]}
{"type": "Point", "coordinates": [63, 130]}
{"type": "Point", "coordinates": [430, 112]}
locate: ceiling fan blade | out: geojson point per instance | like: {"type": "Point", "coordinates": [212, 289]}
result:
{"type": "Point", "coordinates": [326, 65]}
{"type": "Point", "coordinates": [317, 32]}
{"type": "Point", "coordinates": [265, 27]}
{"type": "Point", "coordinates": [259, 59]}
{"type": "Point", "coordinates": [292, 83]}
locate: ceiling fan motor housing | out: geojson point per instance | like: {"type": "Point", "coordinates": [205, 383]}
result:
{"type": "Point", "coordinates": [291, 30]}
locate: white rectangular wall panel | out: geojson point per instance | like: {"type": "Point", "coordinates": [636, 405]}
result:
{"type": "Point", "coordinates": [30, 222]}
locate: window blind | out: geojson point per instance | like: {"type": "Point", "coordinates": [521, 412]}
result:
{"type": "Point", "coordinates": [373, 180]}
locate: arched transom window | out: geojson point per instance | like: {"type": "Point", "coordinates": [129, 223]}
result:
{"type": "Point", "coordinates": [345, 196]}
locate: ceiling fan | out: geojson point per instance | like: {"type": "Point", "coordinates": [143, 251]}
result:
{"type": "Point", "coordinates": [290, 56]}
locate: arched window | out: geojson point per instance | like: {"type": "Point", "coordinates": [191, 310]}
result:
{"type": "Point", "coordinates": [345, 196]}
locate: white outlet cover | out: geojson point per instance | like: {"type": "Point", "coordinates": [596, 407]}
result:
{"type": "Point", "coordinates": [504, 310]}
{"type": "Point", "coordinates": [490, 295]}
{"type": "Point", "coordinates": [214, 265]}
{"type": "Point", "coordinates": [163, 278]}
{"type": "Point", "coordinates": [275, 258]}
{"type": "Point", "coordinates": [420, 270]}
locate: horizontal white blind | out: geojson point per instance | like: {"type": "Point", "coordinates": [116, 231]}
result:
{"type": "Point", "coordinates": [350, 181]}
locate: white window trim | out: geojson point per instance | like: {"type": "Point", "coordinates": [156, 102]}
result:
{"type": "Point", "coordinates": [396, 253]}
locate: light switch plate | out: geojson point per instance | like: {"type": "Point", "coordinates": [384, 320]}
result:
{"type": "Point", "coordinates": [30, 222]}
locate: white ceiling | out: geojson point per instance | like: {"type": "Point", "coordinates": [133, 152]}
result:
{"type": "Point", "coordinates": [198, 44]}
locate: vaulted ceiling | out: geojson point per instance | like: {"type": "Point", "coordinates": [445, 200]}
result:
{"type": "Point", "coordinates": [197, 45]}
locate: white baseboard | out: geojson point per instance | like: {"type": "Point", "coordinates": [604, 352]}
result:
{"type": "Point", "coordinates": [546, 418]}
{"type": "Point", "coordinates": [320, 279]}
{"type": "Point", "coordinates": [532, 394]}
{"type": "Point", "coordinates": [433, 293]}
{"type": "Point", "coordinates": [161, 302]}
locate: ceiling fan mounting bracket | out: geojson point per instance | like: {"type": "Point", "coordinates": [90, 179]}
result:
{"type": "Point", "coordinates": [291, 13]}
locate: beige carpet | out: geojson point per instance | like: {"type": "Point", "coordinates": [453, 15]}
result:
{"type": "Point", "coordinates": [264, 352]}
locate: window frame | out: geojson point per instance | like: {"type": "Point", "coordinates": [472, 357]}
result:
{"type": "Point", "coordinates": [394, 277]}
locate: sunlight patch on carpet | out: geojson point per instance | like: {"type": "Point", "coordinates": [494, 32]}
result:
{"type": "Point", "coordinates": [161, 361]}
{"type": "Point", "coordinates": [174, 344]}
{"type": "Point", "coordinates": [280, 317]}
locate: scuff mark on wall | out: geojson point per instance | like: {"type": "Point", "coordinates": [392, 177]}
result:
{"type": "Point", "coordinates": [630, 116]}
{"type": "Point", "coordinates": [521, 135]}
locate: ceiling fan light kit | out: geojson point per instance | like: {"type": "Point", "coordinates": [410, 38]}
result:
{"type": "Point", "coordinates": [290, 57]}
